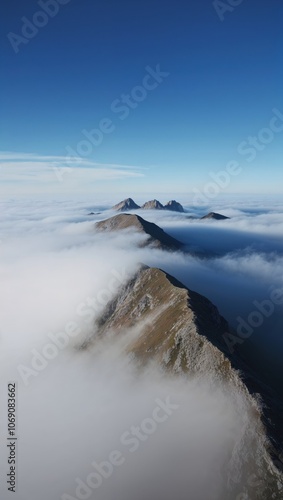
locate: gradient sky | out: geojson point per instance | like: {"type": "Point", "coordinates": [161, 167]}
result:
{"type": "Point", "coordinates": [225, 78]}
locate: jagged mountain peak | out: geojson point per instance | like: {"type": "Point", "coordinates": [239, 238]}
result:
{"type": "Point", "coordinates": [174, 205]}
{"type": "Point", "coordinates": [152, 205]}
{"type": "Point", "coordinates": [127, 204]}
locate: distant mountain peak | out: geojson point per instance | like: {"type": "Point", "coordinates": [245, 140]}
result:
{"type": "Point", "coordinates": [174, 205]}
{"type": "Point", "coordinates": [214, 215]}
{"type": "Point", "coordinates": [125, 205]}
{"type": "Point", "coordinates": [157, 237]}
{"type": "Point", "coordinates": [129, 204]}
{"type": "Point", "coordinates": [152, 205]}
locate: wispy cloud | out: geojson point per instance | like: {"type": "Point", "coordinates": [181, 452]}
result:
{"type": "Point", "coordinates": [32, 172]}
{"type": "Point", "coordinates": [10, 156]}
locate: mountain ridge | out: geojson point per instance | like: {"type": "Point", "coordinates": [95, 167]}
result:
{"type": "Point", "coordinates": [157, 237]}
{"type": "Point", "coordinates": [129, 204]}
{"type": "Point", "coordinates": [172, 205]}
{"type": "Point", "coordinates": [183, 331]}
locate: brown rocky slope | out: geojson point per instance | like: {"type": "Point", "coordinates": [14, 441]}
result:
{"type": "Point", "coordinates": [183, 332]}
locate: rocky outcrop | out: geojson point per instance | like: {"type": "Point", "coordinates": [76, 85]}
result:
{"type": "Point", "coordinates": [152, 205]}
{"type": "Point", "coordinates": [129, 204]}
{"type": "Point", "coordinates": [215, 216]}
{"type": "Point", "coordinates": [126, 205]}
{"type": "Point", "coordinates": [182, 329]}
{"type": "Point", "coordinates": [174, 206]}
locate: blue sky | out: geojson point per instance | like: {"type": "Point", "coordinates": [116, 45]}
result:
{"type": "Point", "coordinates": [224, 79]}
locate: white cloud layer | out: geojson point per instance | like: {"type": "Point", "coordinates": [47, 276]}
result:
{"type": "Point", "coordinates": [75, 411]}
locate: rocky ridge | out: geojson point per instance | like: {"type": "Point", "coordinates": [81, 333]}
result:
{"type": "Point", "coordinates": [129, 204]}
{"type": "Point", "coordinates": [183, 331]}
{"type": "Point", "coordinates": [156, 236]}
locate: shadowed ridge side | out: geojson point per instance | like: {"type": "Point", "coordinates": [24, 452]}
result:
{"type": "Point", "coordinates": [157, 237]}
{"type": "Point", "coordinates": [174, 206]}
{"type": "Point", "coordinates": [215, 216]}
{"type": "Point", "coordinates": [183, 331]}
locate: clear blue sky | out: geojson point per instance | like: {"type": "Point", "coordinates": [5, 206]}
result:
{"type": "Point", "coordinates": [225, 77]}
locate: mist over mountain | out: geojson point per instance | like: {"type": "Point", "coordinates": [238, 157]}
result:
{"type": "Point", "coordinates": [152, 205]}
{"type": "Point", "coordinates": [141, 250]}
{"type": "Point", "coordinates": [56, 269]}
{"type": "Point", "coordinates": [213, 215]}
{"type": "Point", "coordinates": [156, 237]}
{"type": "Point", "coordinates": [129, 204]}
{"type": "Point", "coordinates": [174, 206]}
{"type": "Point", "coordinates": [184, 332]}
{"type": "Point", "coordinates": [125, 205]}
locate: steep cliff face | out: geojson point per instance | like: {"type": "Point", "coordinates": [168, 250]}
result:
{"type": "Point", "coordinates": [177, 323]}
{"type": "Point", "coordinates": [183, 331]}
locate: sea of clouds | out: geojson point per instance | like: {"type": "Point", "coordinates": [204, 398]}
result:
{"type": "Point", "coordinates": [74, 407]}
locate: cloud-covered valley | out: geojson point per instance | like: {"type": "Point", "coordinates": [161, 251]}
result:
{"type": "Point", "coordinates": [77, 407]}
